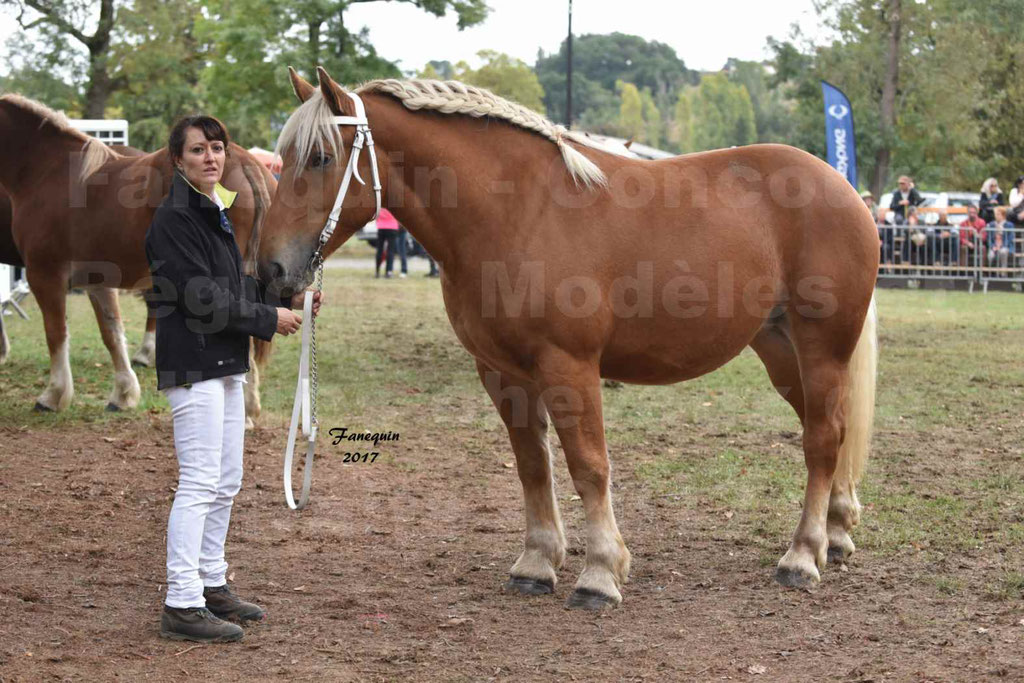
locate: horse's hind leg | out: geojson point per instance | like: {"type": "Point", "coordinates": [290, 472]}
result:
{"type": "Point", "coordinates": [525, 417]}
{"type": "Point", "coordinates": [5, 343]}
{"type": "Point", "coordinates": [49, 289]}
{"type": "Point", "coordinates": [823, 381]}
{"type": "Point", "coordinates": [145, 355]}
{"type": "Point", "coordinates": [126, 392]}
{"type": "Point", "coordinates": [571, 389]}
{"type": "Point", "coordinates": [252, 390]}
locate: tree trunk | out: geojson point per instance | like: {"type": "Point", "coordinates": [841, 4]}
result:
{"type": "Point", "coordinates": [98, 92]}
{"type": "Point", "coordinates": [314, 45]}
{"type": "Point", "coordinates": [888, 105]}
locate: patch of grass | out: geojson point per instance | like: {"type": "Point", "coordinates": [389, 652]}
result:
{"type": "Point", "coordinates": [948, 585]}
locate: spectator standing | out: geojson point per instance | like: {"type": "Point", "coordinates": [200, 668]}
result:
{"type": "Point", "coordinates": [387, 235]}
{"type": "Point", "coordinates": [999, 239]}
{"type": "Point", "coordinates": [869, 201]}
{"type": "Point", "coordinates": [403, 249]}
{"type": "Point", "coordinates": [991, 197]}
{"type": "Point", "coordinates": [972, 236]}
{"type": "Point", "coordinates": [1015, 215]}
{"type": "Point", "coordinates": [906, 195]}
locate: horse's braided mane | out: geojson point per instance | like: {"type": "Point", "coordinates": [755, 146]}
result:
{"type": "Point", "coordinates": [455, 97]}
{"type": "Point", "coordinates": [310, 127]}
{"type": "Point", "coordinates": [95, 153]}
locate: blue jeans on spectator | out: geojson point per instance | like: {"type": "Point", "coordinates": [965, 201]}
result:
{"type": "Point", "coordinates": [403, 247]}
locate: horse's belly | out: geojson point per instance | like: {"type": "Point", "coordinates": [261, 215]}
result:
{"type": "Point", "coordinates": [665, 354]}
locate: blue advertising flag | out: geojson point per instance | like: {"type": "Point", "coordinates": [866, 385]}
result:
{"type": "Point", "coordinates": [842, 152]}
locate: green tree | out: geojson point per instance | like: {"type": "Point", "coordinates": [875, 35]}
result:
{"type": "Point", "coordinates": [503, 75]}
{"type": "Point", "coordinates": [67, 20]}
{"type": "Point", "coordinates": [682, 123]}
{"type": "Point", "coordinates": [652, 119]}
{"type": "Point", "coordinates": [599, 61]}
{"type": "Point", "coordinates": [631, 111]}
{"type": "Point", "coordinates": [723, 114]}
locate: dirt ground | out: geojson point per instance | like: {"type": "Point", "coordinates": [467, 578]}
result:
{"type": "Point", "coordinates": [395, 571]}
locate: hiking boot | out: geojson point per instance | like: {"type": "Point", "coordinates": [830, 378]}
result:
{"type": "Point", "coordinates": [197, 624]}
{"type": "Point", "coordinates": [226, 605]}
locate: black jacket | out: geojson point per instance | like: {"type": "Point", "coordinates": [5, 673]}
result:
{"type": "Point", "coordinates": [914, 197]}
{"type": "Point", "coordinates": [205, 308]}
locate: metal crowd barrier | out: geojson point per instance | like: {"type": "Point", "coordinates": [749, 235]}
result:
{"type": "Point", "coordinates": [951, 253]}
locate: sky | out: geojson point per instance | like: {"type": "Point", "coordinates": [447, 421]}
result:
{"type": "Point", "coordinates": [704, 34]}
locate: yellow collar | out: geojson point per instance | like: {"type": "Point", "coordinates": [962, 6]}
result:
{"type": "Point", "coordinates": [226, 196]}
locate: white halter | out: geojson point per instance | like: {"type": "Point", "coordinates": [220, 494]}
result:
{"type": "Point", "coordinates": [304, 408]}
{"type": "Point", "coordinates": [362, 136]}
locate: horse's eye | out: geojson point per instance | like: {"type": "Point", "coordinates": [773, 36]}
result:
{"type": "Point", "coordinates": [319, 160]}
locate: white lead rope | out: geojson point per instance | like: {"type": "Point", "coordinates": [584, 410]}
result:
{"type": "Point", "coordinates": [302, 408]}
{"type": "Point", "coordinates": [306, 388]}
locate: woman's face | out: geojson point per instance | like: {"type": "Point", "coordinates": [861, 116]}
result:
{"type": "Point", "coordinates": [202, 160]}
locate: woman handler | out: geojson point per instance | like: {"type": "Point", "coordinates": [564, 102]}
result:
{"type": "Point", "coordinates": [206, 310]}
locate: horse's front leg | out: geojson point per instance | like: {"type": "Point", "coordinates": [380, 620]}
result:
{"type": "Point", "coordinates": [525, 417]}
{"type": "Point", "coordinates": [49, 289]}
{"type": "Point", "coordinates": [145, 355]}
{"type": "Point", "coordinates": [126, 392]}
{"type": "Point", "coordinates": [571, 390]}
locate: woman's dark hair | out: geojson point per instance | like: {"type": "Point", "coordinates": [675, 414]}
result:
{"type": "Point", "coordinates": [1020, 179]}
{"type": "Point", "coordinates": [211, 127]}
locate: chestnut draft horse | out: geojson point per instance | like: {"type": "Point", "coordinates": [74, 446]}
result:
{"type": "Point", "coordinates": [9, 255]}
{"type": "Point", "coordinates": [80, 215]}
{"type": "Point", "coordinates": [562, 264]}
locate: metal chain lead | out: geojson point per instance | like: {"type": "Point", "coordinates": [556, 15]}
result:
{"type": "Point", "coordinates": [319, 285]}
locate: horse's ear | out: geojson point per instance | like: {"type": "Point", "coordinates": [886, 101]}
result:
{"type": "Point", "coordinates": [333, 93]}
{"type": "Point", "coordinates": [303, 89]}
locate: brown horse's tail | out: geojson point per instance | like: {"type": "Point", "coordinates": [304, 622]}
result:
{"type": "Point", "coordinates": [261, 202]}
{"type": "Point", "coordinates": [860, 405]}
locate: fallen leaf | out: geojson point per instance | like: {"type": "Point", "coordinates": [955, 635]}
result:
{"type": "Point", "coordinates": [456, 621]}
{"type": "Point", "coordinates": [981, 629]}
{"type": "Point", "coordinates": [729, 514]}
{"type": "Point", "coordinates": [706, 403]}
{"type": "Point", "coordinates": [109, 439]}
{"type": "Point", "coordinates": [507, 465]}
{"type": "Point", "coordinates": [299, 588]}
{"type": "Point", "coordinates": [756, 669]}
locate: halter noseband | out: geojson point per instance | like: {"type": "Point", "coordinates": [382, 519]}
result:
{"type": "Point", "coordinates": [363, 136]}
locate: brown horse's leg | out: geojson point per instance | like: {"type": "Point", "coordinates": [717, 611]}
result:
{"type": "Point", "coordinates": [823, 384]}
{"type": "Point", "coordinates": [251, 391]}
{"type": "Point", "coordinates": [526, 419]}
{"type": "Point", "coordinates": [5, 343]}
{"type": "Point", "coordinates": [571, 390]}
{"type": "Point", "coordinates": [145, 356]}
{"type": "Point", "coordinates": [125, 394]}
{"type": "Point", "coordinates": [776, 351]}
{"type": "Point", "coordinates": [774, 348]}
{"type": "Point", "coordinates": [49, 290]}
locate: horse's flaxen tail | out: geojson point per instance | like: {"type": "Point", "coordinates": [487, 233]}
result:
{"type": "Point", "coordinates": [860, 404]}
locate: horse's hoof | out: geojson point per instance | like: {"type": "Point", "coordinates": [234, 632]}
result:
{"type": "Point", "coordinates": [136, 363]}
{"type": "Point", "coordinates": [40, 408]}
{"type": "Point", "coordinates": [794, 578]}
{"type": "Point", "coordinates": [836, 555]}
{"type": "Point", "coordinates": [584, 598]}
{"type": "Point", "coordinates": [527, 586]}
{"type": "Point", "coordinates": [112, 408]}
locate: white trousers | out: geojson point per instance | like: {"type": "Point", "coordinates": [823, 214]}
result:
{"type": "Point", "coordinates": [209, 430]}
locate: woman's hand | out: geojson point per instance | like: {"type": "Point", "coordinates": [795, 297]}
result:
{"type": "Point", "coordinates": [288, 322]}
{"type": "Point", "coordinates": [299, 299]}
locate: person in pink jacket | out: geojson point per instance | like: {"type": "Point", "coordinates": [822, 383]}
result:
{"type": "Point", "coordinates": [387, 232]}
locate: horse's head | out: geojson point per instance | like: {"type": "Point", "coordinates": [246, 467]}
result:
{"type": "Point", "coordinates": [315, 152]}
